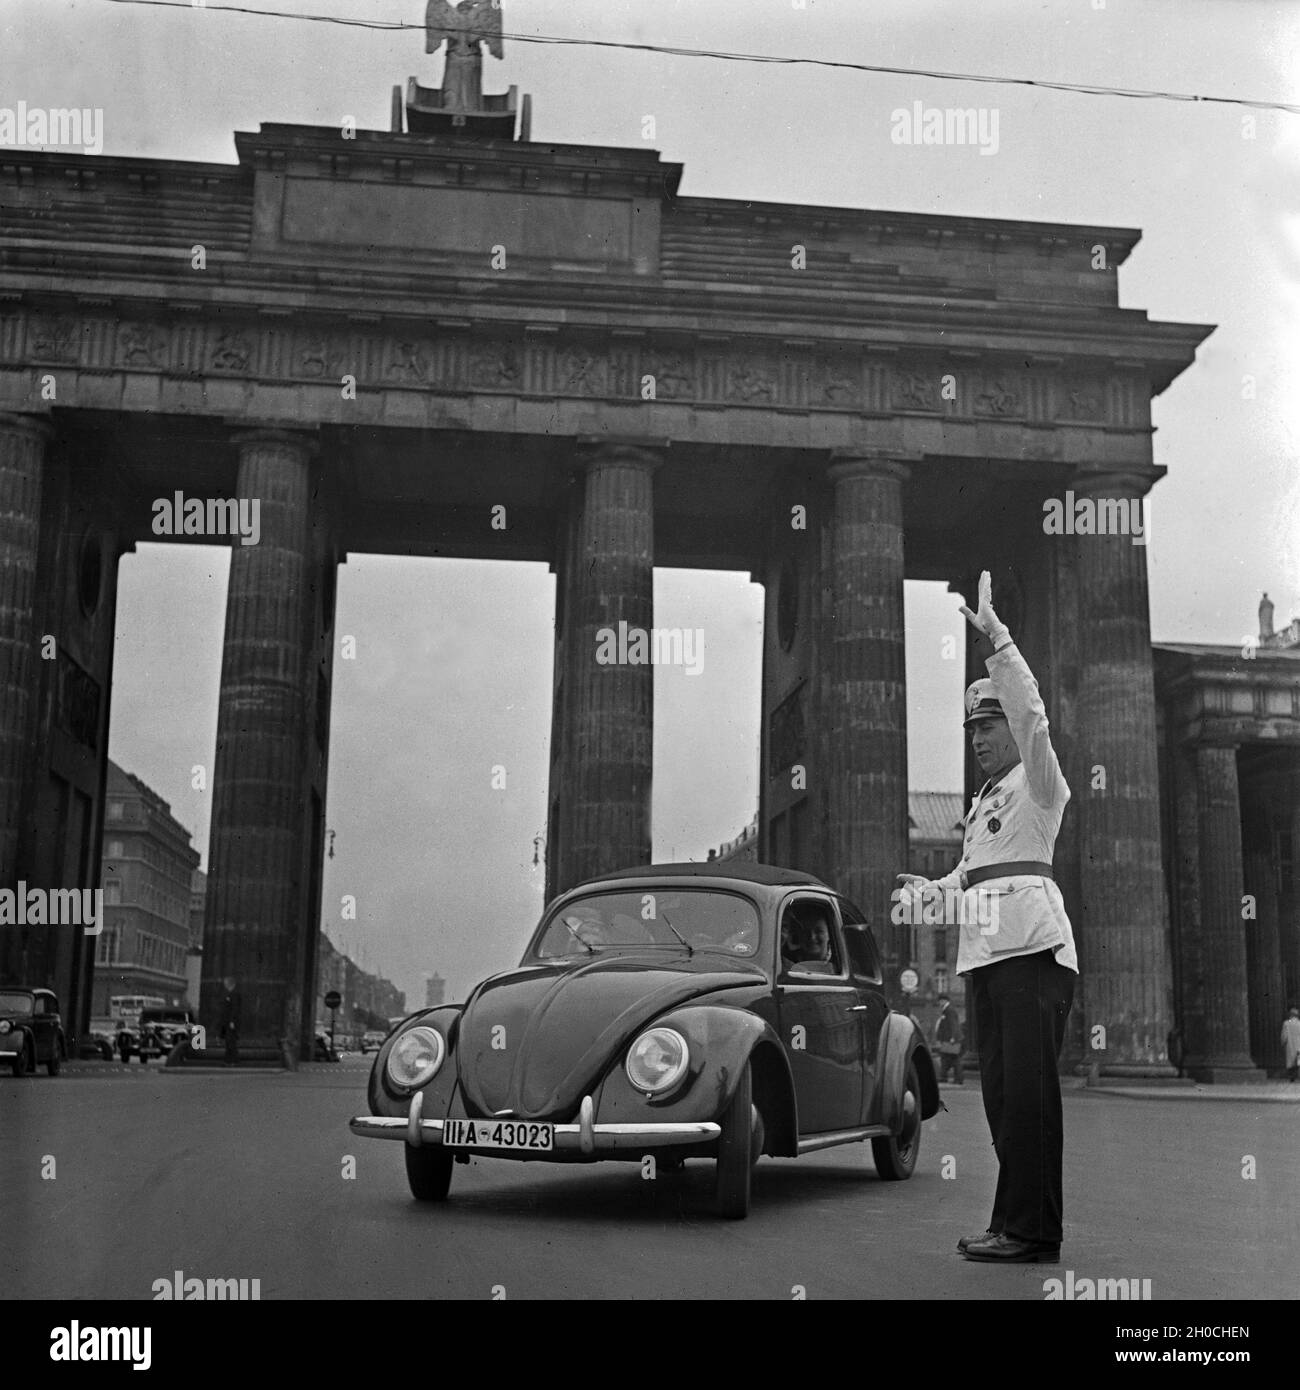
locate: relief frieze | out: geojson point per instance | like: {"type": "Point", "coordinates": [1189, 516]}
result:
{"type": "Point", "coordinates": [751, 381]}
{"type": "Point", "coordinates": [914, 391]}
{"type": "Point", "coordinates": [1082, 400]}
{"type": "Point", "coordinates": [719, 374]}
{"type": "Point", "coordinates": [1001, 396]}
{"type": "Point", "coordinates": [232, 352]}
{"type": "Point", "coordinates": [54, 339]}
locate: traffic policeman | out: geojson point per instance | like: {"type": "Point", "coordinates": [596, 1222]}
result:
{"type": "Point", "coordinates": [1017, 946]}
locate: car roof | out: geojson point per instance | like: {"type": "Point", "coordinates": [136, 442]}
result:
{"type": "Point", "coordinates": [769, 875]}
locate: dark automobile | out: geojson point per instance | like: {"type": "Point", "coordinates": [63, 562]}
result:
{"type": "Point", "coordinates": [160, 1030]}
{"type": "Point", "coordinates": [680, 1010]}
{"type": "Point", "coordinates": [31, 1030]}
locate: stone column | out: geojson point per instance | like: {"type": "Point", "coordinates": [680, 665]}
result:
{"type": "Point", "coordinates": [1289, 898]}
{"type": "Point", "coordinates": [1262, 789]}
{"type": "Point", "coordinates": [606, 692]}
{"type": "Point", "coordinates": [22, 458]}
{"type": "Point", "coordinates": [864, 739]}
{"type": "Point", "coordinates": [1127, 980]}
{"type": "Point", "coordinates": [259, 817]}
{"type": "Point", "coordinates": [1221, 1051]}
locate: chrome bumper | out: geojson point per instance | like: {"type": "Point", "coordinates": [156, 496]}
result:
{"type": "Point", "coordinates": [585, 1137]}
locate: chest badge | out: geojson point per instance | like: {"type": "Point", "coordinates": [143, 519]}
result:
{"type": "Point", "coordinates": [994, 824]}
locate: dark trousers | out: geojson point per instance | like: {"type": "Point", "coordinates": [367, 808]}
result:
{"type": "Point", "coordinates": [1020, 1010]}
{"type": "Point", "coordinates": [950, 1062]}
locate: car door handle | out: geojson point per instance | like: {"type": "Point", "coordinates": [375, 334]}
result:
{"type": "Point", "coordinates": [857, 1008]}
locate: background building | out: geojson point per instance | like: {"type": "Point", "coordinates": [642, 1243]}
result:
{"type": "Point", "coordinates": [435, 990]}
{"type": "Point", "coordinates": [148, 869]}
{"type": "Point", "coordinates": [369, 1001]}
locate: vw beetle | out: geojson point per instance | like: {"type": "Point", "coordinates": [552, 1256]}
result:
{"type": "Point", "coordinates": [709, 1010]}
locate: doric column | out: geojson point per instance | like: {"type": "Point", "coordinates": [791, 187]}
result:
{"type": "Point", "coordinates": [22, 456]}
{"type": "Point", "coordinates": [864, 741]}
{"type": "Point", "coordinates": [1222, 1047]}
{"type": "Point", "coordinates": [1268, 1004]}
{"type": "Point", "coordinates": [605, 720]}
{"type": "Point", "coordinates": [1127, 981]}
{"type": "Point", "coordinates": [256, 881]}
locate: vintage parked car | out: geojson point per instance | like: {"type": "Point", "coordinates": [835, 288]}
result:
{"type": "Point", "coordinates": [31, 1030]}
{"type": "Point", "coordinates": [682, 1010]}
{"type": "Point", "coordinates": [160, 1030]}
{"type": "Point", "coordinates": [372, 1041]}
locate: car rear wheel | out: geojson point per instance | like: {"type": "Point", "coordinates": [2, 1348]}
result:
{"type": "Point", "coordinates": [896, 1155]}
{"type": "Point", "coordinates": [737, 1151]}
{"type": "Point", "coordinates": [56, 1058]}
{"type": "Point", "coordinates": [428, 1171]}
{"type": "Point", "coordinates": [20, 1061]}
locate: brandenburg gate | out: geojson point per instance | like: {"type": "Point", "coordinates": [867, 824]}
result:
{"type": "Point", "coordinates": [386, 337]}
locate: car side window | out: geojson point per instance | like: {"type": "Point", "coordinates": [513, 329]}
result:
{"type": "Point", "coordinates": [39, 1006]}
{"type": "Point", "coordinates": [864, 960]}
{"type": "Point", "coordinates": [809, 944]}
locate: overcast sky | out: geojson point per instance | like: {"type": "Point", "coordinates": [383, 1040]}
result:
{"type": "Point", "coordinates": [441, 863]}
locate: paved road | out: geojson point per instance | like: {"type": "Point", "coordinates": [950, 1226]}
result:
{"type": "Point", "coordinates": [242, 1176]}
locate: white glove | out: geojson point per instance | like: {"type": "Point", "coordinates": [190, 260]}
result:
{"type": "Point", "coordinates": [986, 620]}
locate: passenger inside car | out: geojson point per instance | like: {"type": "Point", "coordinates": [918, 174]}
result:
{"type": "Point", "coordinates": [806, 939]}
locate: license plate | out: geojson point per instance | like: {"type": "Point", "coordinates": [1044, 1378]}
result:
{"type": "Point", "coordinates": [498, 1134]}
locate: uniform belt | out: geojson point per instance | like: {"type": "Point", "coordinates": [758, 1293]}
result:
{"type": "Point", "coordinates": [970, 877]}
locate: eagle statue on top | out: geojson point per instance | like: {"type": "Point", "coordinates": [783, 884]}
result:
{"type": "Point", "coordinates": [464, 28]}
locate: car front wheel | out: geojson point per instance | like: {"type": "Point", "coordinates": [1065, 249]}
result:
{"type": "Point", "coordinates": [428, 1171]}
{"type": "Point", "coordinates": [896, 1155]}
{"type": "Point", "coordinates": [737, 1151]}
{"type": "Point", "coordinates": [20, 1061]}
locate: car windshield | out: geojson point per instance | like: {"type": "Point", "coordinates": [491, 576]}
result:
{"type": "Point", "coordinates": [707, 920]}
{"type": "Point", "coordinates": [15, 1003]}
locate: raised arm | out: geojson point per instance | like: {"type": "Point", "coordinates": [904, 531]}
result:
{"type": "Point", "coordinates": [1021, 702]}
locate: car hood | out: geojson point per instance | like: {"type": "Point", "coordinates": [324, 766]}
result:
{"type": "Point", "coordinates": [534, 1041]}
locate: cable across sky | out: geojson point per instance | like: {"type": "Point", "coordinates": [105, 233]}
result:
{"type": "Point", "coordinates": [1080, 88]}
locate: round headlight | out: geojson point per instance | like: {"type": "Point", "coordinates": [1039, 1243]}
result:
{"type": "Point", "coordinates": [415, 1057]}
{"type": "Point", "coordinates": [5, 1025]}
{"type": "Point", "coordinates": [657, 1061]}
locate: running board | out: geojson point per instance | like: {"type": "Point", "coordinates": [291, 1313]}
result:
{"type": "Point", "coordinates": [842, 1136]}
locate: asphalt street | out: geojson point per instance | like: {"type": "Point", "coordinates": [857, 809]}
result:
{"type": "Point", "coordinates": [113, 1180]}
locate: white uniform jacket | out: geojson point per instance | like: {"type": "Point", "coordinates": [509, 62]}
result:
{"type": "Point", "coordinates": [1015, 819]}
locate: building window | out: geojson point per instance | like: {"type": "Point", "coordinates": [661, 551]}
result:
{"type": "Point", "coordinates": [115, 849]}
{"type": "Point", "coordinates": [941, 946]}
{"type": "Point", "coordinates": [113, 891]}
{"type": "Point", "coordinates": [941, 980]}
{"type": "Point", "coordinates": [115, 810]}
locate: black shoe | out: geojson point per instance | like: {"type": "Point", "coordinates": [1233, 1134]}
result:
{"type": "Point", "coordinates": [1005, 1249]}
{"type": "Point", "coordinates": [967, 1241]}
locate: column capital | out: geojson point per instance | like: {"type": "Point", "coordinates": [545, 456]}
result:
{"type": "Point", "coordinates": [601, 451]}
{"type": "Point", "coordinates": [849, 463]}
{"type": "Point", "coordinates": [306, 440]}
{"type": "Point", "coordinates": [38, 426]}
{"type": "Point", "coordinates": [1118, 483]}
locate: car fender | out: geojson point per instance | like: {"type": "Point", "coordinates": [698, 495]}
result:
{"type": "Point", "coordinates": [387, 1100]}
{"type": "Point", "coordinates": [721, 1040]}
{"type": "Point", "coordinates": [901, 1041]}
